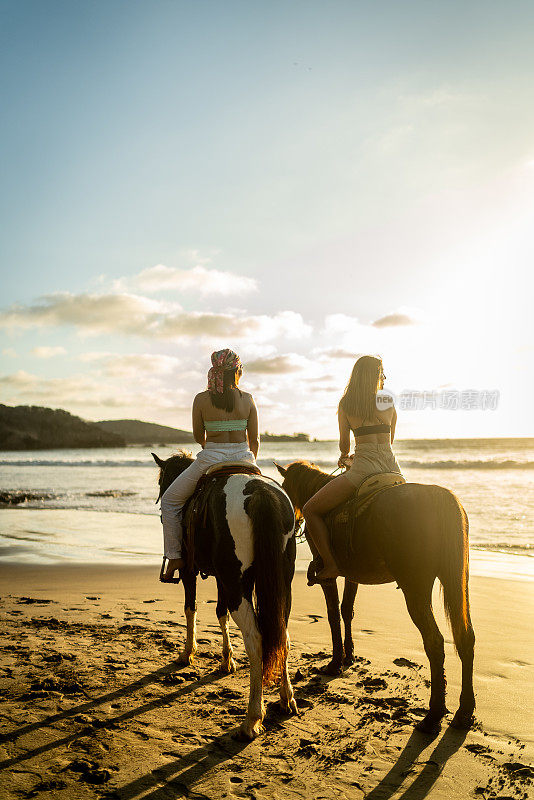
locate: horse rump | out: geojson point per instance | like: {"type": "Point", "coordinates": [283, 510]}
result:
{"type": "Point", "coordinates": [271, 515]}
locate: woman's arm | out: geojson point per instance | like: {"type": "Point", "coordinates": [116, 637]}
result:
{"type": "Point", "coordinates": [344, 435]}
{"type": "Point", "coordinates": [199, 432]}
{"type": "Point", "coordinates": [252, 429]}
{"type": "Point", "coordinates": [393, 423]}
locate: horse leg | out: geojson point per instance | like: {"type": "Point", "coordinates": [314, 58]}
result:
{"type": "Point", "coordinates": [287, 698]}
{"type": "Point", "coordinates": [347, 613]}
{"type": "Point", "coordinates": [464, 639]}
{"type": "Point", "coordinates": [189, 580]}
{"type": "Point", "coordinates": [228, 664]}
{"type": "Point", "coordinates": [245, 619]}
{"type": "Point", "coordinates": [419, 605]}
{"type": "Point", "coordinates": [334, 619]}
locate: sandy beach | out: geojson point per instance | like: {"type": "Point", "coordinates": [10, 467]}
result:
{"type": "Point", "coordinates": [95, 704]}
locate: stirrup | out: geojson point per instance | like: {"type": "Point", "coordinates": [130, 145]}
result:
{"type": "Point", "coordinates": [167, 580]}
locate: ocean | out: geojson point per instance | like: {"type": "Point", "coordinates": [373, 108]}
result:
{"type": "Point", "coordinates": [99, 505]}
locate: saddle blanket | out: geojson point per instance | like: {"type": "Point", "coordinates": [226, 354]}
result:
{"type": "Point", "coordinates": [196, 510]}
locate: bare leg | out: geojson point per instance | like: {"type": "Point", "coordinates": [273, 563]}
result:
{"type": "Point", "coordinates": [327, 498]}
{"type": "Point", "coordinates": [245, 618]}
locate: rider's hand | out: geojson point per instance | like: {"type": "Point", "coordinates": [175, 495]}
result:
{"type": "Point", "coordinates": [344, 462]}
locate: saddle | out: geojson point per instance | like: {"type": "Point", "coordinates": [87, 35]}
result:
{"type": "Point", "coordinates": [342, 521]}
{"type": "Point", "coordinates": [195, 513]}
{"type": "Point", "coordinates": [366, 492]}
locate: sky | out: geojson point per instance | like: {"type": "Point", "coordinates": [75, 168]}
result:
{"type": "Point", "coordinates": [303, 182]}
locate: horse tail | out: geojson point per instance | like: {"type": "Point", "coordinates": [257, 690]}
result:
{"type": "Point", "coordinates": [271, 578]}
{"type": "Point", "coordinates": [454, 566]}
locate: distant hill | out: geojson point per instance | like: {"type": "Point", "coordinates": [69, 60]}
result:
{"type": "Point", "coordinates": [133, 431]}
{"type": "Point", "coordinates": [285, 437]}
{"type": "Point", "coordinates": [36, 428]}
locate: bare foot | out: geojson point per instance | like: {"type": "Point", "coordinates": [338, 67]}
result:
{"type": "Point", "coordinates": [172, 565]}
{"type": "Point", "coordinates": [327, 573]}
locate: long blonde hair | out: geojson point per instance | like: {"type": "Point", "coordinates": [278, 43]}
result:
{"type": "Point", "coordinates": [359, 398]}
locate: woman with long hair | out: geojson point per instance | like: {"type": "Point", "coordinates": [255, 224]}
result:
{"type": "Point", "coordinates": [373, 426]}
{"type": "Point", "coordinates": [225, 425]}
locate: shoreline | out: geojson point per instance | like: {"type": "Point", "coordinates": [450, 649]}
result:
{"type": "Point", "coordinates": [49, 536]}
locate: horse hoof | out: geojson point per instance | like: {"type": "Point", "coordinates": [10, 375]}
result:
{"type": "Point", "coordinates": [228, 666]}
{"type": "Point", "coordinates": [348, 660]}
{"type": "Point", "coordinates": [332, 668]}
{"type": "Point", "coordinates": [248, 732]}
{"type": "Point", "coordinates": [186, 658]}
{"type": "Point", "coordinates": [288, 709]}
{"type": "Point", "coordinates": [429, 725]}
{"type": "Point", "coordinates": [462, 720]}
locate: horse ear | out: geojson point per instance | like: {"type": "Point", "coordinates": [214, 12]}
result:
{"type": "Point", "coordinates": [158, 460]}
{"type": "Point", "coordinates": [281, 470]}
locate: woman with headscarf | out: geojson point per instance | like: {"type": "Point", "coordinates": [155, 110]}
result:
{"type": "Point", "coordinates": [225, 425]}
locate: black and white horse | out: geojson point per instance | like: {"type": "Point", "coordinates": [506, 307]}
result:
{"type": "Point", "coordinates": [248, 544]}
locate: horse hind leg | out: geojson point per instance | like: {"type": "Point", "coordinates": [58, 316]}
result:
{"type": "Point", "coordinates": [228, 664]}
{"type": "Point", "coordinates": [347, 614]}
{"type": "Point", "coordinates": [288, 703]}
{"type": "Point", "coordinates": [245, 619]}
{"type": "Point", "coordinates": [464, 640]}
{"type": "Point", "coordinates": [420, 610]}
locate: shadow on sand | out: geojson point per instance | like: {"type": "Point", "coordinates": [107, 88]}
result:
{"type": "Point", "coordinates": [179, 777]}
{"type": "Point", "coordinates": [450, 742]}
{"type": "Point", "coordinates": [109, 722]}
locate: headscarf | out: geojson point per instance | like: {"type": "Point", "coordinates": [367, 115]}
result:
{"type": "Point", "coordinates": [221, 360]}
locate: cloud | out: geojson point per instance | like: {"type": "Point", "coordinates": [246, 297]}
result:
{"type": "Point", "coordinates": [98, 313]}
{"type": "Point", "coordinates": [139, 365]}
{"type": "Point", "coordinates": [233, 326]}
{"type": "Point", "coordinates": [396, 319]}
{"type": "Point", "coordinates": [89, 394]}
{"type": "Point", "coordinates": [130, 314]}
{"type": "Point", "coordinates": [9, 352]}
{"type": "Point", "coordinates": [326, 353]}
{"type": "Point", "coordinates": [48, 352]}
{"type": "Point", "coordinates": [199, 279]}
{"type": "Point", "coordinates": [277, 364]}
{"type": "Point", "coordinates": [19, 379]}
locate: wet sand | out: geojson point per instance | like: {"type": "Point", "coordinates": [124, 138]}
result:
{"type": "Point", "coordinates": [95, 703]}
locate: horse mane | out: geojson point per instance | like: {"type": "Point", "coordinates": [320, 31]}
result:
{"type": "Point", "coordinates": [301, 480]}
{"type": "Point", "coordinates": [172, 467]}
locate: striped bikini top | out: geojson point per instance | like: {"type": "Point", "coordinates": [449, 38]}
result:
{"type": "Point", "coordinates": [225, 424]}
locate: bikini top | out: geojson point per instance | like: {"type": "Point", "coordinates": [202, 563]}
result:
{"type": "Point", "coordinates": [225, 424]}
{"type": "Point", "coordinates": [363, 430]}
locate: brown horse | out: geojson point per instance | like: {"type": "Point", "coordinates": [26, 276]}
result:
{"type": "Point", "coordinates": [412, 534]}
